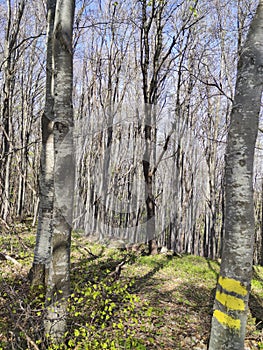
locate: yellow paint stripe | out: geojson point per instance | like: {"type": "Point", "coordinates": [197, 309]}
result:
{"type": "Point", "coordinates": [230, 302]}
{"type": "Point", "coordinates": [226, 320]}
{"type": "Point", "coordinates": [232, 285]}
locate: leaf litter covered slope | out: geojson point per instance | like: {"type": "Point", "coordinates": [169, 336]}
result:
{"type": "Point", "coordinates": [181, 291]}
{"type": "Point", "coordinates": [168, 305]}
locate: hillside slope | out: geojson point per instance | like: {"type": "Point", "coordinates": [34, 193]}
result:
{"type": "Point", "coordinates": [119, 299]}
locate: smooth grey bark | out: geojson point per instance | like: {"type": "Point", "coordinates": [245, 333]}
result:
{"type": "Point", "coordinates": [46, 177]}
{"type": "Point", "coordinates": [58, 283]}
{"type": "Point", "coordinates": [233, 288]}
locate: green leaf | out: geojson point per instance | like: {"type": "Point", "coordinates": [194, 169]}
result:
{"type": "Point", "coordinates": [76, 332]}
{"type": "Point", "coordinates": [193, 10]}
{"type": "Point", "coordinates": [71, 343]}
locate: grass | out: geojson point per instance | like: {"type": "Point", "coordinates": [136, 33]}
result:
{"type": "Point", "coordinates": [159, 302]}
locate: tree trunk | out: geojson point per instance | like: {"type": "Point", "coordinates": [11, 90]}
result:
{"type": "Point", "coordinates": [231, 301]}
{"type": "Point", "coordinates": [58, 284]}
{"type": "Point", "coordinates": [149, 180]}
{"type": "Point", "coordinates": [46, 180]}
{"type": "Point", "coordinates": [11, 34]}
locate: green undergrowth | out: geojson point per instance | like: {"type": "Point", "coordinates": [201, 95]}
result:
{"type": "Point", "coordinates": [151, 302]}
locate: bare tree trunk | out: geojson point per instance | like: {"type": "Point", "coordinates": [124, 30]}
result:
{"type": "Point", "coordinates": [149, 180]}
{"type": "Point", "coordinates": [233, 288]}
{"type": "Point", "coordinates": [58, 284]}
{"type": "Point", "coordinates": [11, 34]}
{"type": "Point", "coordinates": [46, 179]}
{"type": "Point", "coordinates": [150, 87]}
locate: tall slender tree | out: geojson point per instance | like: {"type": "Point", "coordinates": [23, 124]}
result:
{"type": "Point", "coordinates": [58, 284]}
{"type": "Point", "coordinates": [46, 177]}
{"type": "Point", "coordinates": [52, 252]}
{"type": "Point", "coordinates": [9, 65]}
{"type": "Point", "coordinates": [154, 56]}
{"type": "Point", "coordinates": [233, 287]}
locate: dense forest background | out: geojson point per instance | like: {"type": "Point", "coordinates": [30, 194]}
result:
{"type": "Point", "coordinates": [175, 59]}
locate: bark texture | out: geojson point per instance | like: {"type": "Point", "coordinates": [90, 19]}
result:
{"type": "Point", "coordinates": [58, 284]}
{"type": "Point", "coordinates": [231, 301]}
{"type": "Point", "coordinates": [46, 180]}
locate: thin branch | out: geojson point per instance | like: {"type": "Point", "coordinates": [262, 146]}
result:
{"type": "Point", "coordinates": [165, 146]}
{"type": "Point", "coordinates": [20, 44]}
{"type": "Point", "coordinates": [27, 39]}
{"type": "Point", "coordinates": [29, 340]}
{"type": "Point", "coordinates": [214, 84]}
{"type": "Point", "coordinates": [9, 258]}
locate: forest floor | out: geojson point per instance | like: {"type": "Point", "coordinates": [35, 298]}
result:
{"type": "Point", "coordinates": [119, 299]}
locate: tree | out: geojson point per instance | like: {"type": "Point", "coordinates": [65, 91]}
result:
{"type": "Point", "coordinates": [46, 181]}
{"type": "Point", "coordinates": [233, 287]}
{"type": "Point", "coordinates": [58, 284]}
{"type": "Point", "coordinates": [155, 56]}
{"type": "Point", "coordinates": [9, 64]}
{"type": "Point", "coordinates": [52, 252]}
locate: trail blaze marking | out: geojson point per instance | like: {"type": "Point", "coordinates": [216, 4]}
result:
{"type": "Point", "coordinates": [227, 320]}
{"type": "Point", "coordinates": [232, 285]}
{"type": "Point", "coordinates": [230, 302]}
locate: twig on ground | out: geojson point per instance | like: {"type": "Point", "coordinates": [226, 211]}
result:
{"type": "Point", "coordinates": [29, 340]}
{"type": "Point", "coordinates": [9, 258]}
{"type": "Point", "coordinates": [117, 272]}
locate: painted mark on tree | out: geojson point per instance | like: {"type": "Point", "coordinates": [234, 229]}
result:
{"type": "Point", "coordinates": [231, 285]}
{"type": "Point", "coordinates": [227, 320]}
{"type": "Point", "coordinates": [230, 302]}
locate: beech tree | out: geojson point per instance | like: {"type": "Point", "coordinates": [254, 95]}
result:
{"type": "Point", "coordinates": [233, 287]}
{"type": "Point", "coordinates": [52, 252]}
{"type": "Point", "coordinates": [46, 176]}
{"type": "Point", "coordinates": [58, 284]}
